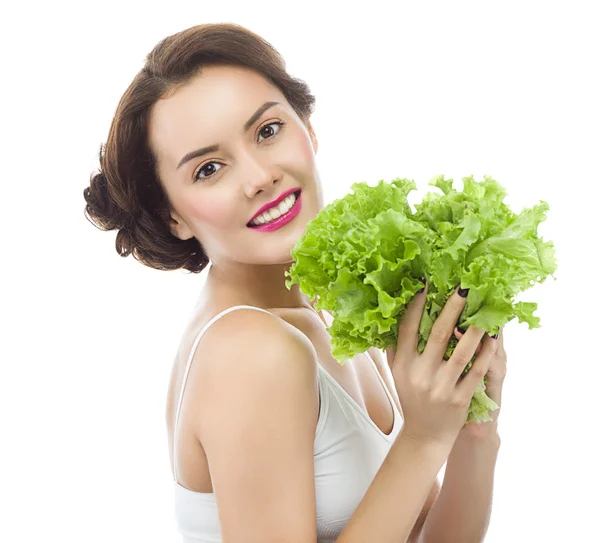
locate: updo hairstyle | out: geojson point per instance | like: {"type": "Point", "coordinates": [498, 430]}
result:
{"type": "Point", "coordinates": [125, 194]}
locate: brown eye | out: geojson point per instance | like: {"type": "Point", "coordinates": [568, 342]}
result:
{"type": "Point", "coordinates": [208, 168]}
{"type": "Point", "coordinates": [268, 132]}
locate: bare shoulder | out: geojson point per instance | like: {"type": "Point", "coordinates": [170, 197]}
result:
{"type": "Point", "coordinates": [258, 396]}
{"type": "Point", "coordinates": [250, 330]}
{"type": "Point", "coordinates": [244, 343]}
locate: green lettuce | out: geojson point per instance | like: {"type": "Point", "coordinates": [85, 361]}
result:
{"type": "Point", "coordinates": [362, 255]}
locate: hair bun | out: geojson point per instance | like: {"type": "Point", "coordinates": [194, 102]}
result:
{"type": "Point", "coordinates": [101, 210]}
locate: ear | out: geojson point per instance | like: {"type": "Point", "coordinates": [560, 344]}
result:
{"type": "Point", "coordinates": [179, 227]}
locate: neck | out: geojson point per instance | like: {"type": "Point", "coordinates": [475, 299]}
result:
{"type": "Point", "coordinates": [262, 286]}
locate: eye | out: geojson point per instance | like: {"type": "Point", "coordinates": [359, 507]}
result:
{"type": "Point", "coordinates": [264, 130]}
{"type": "Point", "coordinates": [205, 168]}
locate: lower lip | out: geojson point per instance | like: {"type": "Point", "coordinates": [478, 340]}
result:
{"type": "Point", "coordinates": [283, 220]}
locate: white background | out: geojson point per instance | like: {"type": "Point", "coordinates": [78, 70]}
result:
{"type": "Point", "coordinates": [404, 89]}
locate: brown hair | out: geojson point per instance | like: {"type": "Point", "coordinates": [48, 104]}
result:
{"type": "Point", "coordinates": [126, 194]}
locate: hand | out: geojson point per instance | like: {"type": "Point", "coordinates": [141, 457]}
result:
{"type": "Point", "coordinates": [495, 381]}
{"type": "Point", "coordinates": [434, 398]}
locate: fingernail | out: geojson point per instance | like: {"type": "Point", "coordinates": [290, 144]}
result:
{"type": "Point", "coordinates": [422, 279]}
{"type": "Point", "coordinates": [461, 330]}
{"type": "Point", "coordinates": [463, 292]}
{"type": "Point", "coordinates": [495, 336]}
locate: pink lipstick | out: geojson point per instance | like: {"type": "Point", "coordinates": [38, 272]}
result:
{"type": "Point", "coordinates": [285, 218]}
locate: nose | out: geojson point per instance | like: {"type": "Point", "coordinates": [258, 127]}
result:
{"type": "Point", "coordinates": [258, 174]}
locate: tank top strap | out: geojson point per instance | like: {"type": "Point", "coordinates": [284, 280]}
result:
{"type": "Point", "coordinates": [189, 363]}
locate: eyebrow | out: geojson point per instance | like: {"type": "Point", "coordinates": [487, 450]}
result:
{"type": "Point", "coordinates": [212, 148]}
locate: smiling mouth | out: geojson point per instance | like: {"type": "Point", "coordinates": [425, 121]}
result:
{"type": "Point", "coordinates": [251, 224]}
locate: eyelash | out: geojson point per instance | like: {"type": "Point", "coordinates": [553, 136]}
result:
{"type": "Point", "coordinates": [196, 177]}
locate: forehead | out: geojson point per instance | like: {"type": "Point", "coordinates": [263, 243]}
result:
{"type": "Point", "coordinates": [217, 101]}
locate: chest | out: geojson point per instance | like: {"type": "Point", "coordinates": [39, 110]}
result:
{"type": "Point", "coordinates": [360, 376]}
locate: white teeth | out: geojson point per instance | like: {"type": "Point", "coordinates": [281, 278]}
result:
{"type": "Point", "coordinates": [275, 212]}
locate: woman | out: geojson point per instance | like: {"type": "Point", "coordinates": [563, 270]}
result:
{"type": "Point", "coordinates": [270, 438]}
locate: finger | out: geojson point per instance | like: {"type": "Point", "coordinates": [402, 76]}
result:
{"type": "Point", "coordinates": [468, 384]}
{"type": "Point", "coordinates": [443, 326]}
{"type": "Point", "coordinates": [501, 342]}
{"type": "Point", "coordinates": [408, 329]}
{"type": "Point", "coordinates": [499, 364]}
{"type": "Point", "coordinates": [458, 334]}
{"type": "Point", "coordinates": [462, 354]}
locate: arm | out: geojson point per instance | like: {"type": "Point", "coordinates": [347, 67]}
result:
{"type": "Point", "coordinates": [395, 502]}
{"type": "Point", "coordinates": [415, 534]}
{"type": "Point", "coordinates": [257, 409]}
{"type": "Point", "coordinates": [469, 473]}
{"type": "Point", "coordinates": [463, 508]}
{"type": "Point", "coordinates": [386, 375]}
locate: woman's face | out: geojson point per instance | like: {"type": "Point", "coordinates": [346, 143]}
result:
{"type": "Point", "coordinates": [216, 194]}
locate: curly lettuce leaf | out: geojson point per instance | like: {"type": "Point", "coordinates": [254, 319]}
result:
{"type": "Point", "coordinates": [361, 258]}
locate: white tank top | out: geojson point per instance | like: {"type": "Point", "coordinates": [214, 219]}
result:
{"type": "Point", "coordinates": [349, 450]}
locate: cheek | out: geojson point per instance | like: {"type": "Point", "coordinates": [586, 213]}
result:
{"type": "Point", "coordinates": [211, 210]}
{"type": "Point", "coordinates": [302, 152]}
